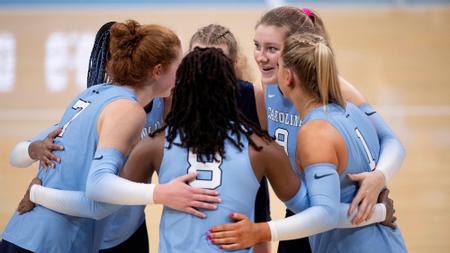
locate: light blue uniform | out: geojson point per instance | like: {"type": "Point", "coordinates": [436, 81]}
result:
{"type": "Point", "coordinates": [124, 222]}
{"type": "Point", "coordinates": [363, 151]}
{"type": "Point", "coordinates": [283, 122]}
{"type": "Point", "coordinates": [233, 177]}
{"type": "Point", "coordinates": [43, 230]}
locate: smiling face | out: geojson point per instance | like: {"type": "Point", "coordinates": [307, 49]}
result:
{"type": "Point", "coordinates": [268, 41]}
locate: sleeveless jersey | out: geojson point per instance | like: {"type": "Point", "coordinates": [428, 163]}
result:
{"type": "Point", "coordinates": [283, 122]}
{"type": "Point", "coordinates": [363, 152]}
{"type": "Point", "coordinates": [233, 177]}
{"type": "Point", "coordinates": [43, 230]}
{"type": "Point", "coordinates": [124, 222]}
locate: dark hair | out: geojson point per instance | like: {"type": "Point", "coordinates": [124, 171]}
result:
{"type": "Point", "coordinates": [135, 49]}
{"type": "Point", "coordinates": [99, 56]}
{"type": "Point", "coordinates": [295, 20]}
{"type": "Point", "coordinates": [204, 110]}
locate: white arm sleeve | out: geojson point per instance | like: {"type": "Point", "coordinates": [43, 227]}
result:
{"type": "Point", "coordinates": [113, 189]}
{"type": "Point", "coordinates": [345, 221]}
{"type": "Point", "coordinates": [323, 186]}
{"type": "Point", "coordinates": [104, 185]}
{"type": "Point", "coordinates": [392, 152]}
{"type": "Point", "coordinates": [19, 156]}
{"type": "Point", "coordinates": [72, 203]}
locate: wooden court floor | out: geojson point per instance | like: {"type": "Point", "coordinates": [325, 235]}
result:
{"type": "Point", "coordinates": [397, 57]}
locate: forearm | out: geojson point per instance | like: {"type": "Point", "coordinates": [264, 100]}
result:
{"type": "Point", "coordinates": [300, 202]}
{"type": "Point", "coordinates": [19, 156]}
{"type": "Point", "coordinates": [72, 203]}
{"type": "Point", "coordinates": [104, 185]}
{"type": "Point", "coordinates": [392, 152]}
{"type": "Point", "coordinates": [323, 215]}
{"type": "Point", "coordinates": [345, 221]}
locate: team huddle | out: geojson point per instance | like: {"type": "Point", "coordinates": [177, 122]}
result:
{"type": "Point", "coordinates": [214, 141]}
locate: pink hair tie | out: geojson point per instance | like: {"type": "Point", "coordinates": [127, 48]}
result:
{"type": "Point", "coordinates": [307, 11]}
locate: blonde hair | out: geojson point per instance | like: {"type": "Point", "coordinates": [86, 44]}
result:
{"type": "Point", "coordinates": [295, 20]}
{"type": "Point", "coordinates": [216, 35]}
{"type": "Point", "coordinates": [312, 60]}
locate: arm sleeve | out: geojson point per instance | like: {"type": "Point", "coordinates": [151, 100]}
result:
{"type": "Point", "coordinates": [323, 186]}
{"type": "Point", "coordinates": [104, 185]}
{"type": "Point", "coordinates": [392, 152]}
{"type": "Point", "coordinates": [19, 156]}
{"type": "Point", "coordinates": [72, 203]}
{"type": "Point", "coordinates": [300, 202]}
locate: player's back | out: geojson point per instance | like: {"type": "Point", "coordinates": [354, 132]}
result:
{"type": "Point", "coordinates": [43, 230]}
{"type": "Point", "coordinates": [232, 177]}
{"type": "Point", "coordinates": [363, 150]}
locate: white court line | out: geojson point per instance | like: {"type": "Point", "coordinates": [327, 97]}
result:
{"type": "Point", "coordinates": [414, 110]}
{"type": "Point", "coordinates": [30, 114]}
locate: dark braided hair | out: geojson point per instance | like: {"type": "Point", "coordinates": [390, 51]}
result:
{"type": "Point", "coordinates": [99, 56]}
{"type": "Point", "coordinates": [204, 109]}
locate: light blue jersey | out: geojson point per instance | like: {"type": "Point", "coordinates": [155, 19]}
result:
{"type": "Point", "coordinates": [363, 151]}
{"type": "Point", "coordinates": [124, 222]}
{"type": "Point", "coordinates": [283, 122]}
{"type": "Point", "coordinates": [43, 230]}
{"type": "Point", "coordinates": [233, 177]}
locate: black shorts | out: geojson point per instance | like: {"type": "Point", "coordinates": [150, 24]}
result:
{"type": "Point", "coordinates": [262, 202]}
{"type": "Point", "coordinates": [7, 247]}
{"type": "Point", "coordinates": [137, 243]}
{"type": "Point", "coordinates": [294, 246]}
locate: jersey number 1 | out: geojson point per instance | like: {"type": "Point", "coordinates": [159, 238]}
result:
{"type": "Point", "coordinates": [366, 149]}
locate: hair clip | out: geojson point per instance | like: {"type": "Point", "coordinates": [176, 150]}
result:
{"type": "Point", "coordinates": [307, 11]}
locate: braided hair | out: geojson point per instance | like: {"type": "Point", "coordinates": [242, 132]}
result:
{"type": "Point", "coordinates": [99, 56]}
{"type": "Point", "coordinates": [204, 109]}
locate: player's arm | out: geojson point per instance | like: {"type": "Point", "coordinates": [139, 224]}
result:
{"type": "Point", "coordinates": [321, 216]}
{"type": "Point", "coordinates": [38, 148]}
{"type": "Point", "coordinates": [392, 154]}
{"type": "Point", "coordinates": [104, 185]}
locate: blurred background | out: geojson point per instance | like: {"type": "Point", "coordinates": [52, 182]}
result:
{"type": "Point", "coordinates": [397, 53]}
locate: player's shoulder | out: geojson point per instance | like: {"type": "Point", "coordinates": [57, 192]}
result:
{"type": "Point", "coordinates": [125, 111]}
{"type": "Point", "coordinates": [317, 142]}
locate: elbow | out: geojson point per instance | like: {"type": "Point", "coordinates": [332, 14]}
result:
{"type": "Point", "coordinates": [333, 216]}
{"type": "Point", "coordinates": [330, 215]}
{"type": "Point", "coordinates": [92, 189]}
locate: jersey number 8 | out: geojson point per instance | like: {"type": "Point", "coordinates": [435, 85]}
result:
{"type": "Point", "coordinates": [209, 173]}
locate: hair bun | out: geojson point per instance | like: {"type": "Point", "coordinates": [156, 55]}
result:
{"type": "Point", "coordinates": [127, 37]}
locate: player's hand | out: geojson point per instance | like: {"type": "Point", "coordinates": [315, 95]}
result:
{"type": "Point", "coordinates": [26, 204]}
{"type": "Point", "coordinates": [370, 185]}
{"type": "Point", "coordinates": [42, 150]}
{"type": "Point", "coordinates": [390, 211]}
{"type": "Point", "coordinates": [239, 235]}
{"type": "Point", "coordinates": [178, 195]}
